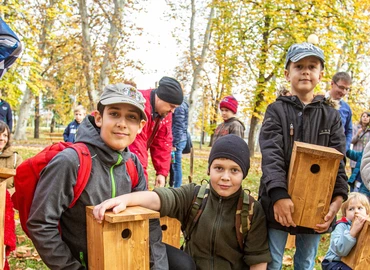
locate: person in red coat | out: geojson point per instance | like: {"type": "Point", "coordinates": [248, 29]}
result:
{"type": "Point", "coordinates": [156, 135]}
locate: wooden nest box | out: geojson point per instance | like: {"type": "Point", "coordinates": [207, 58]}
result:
{"type": "Point", "coordinates": [312, 174]}
{"type": "Point", "coordinates": [359, 257]}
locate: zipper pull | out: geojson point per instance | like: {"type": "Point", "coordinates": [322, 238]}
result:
{"type": "Point", "coordinates": [291, 130]}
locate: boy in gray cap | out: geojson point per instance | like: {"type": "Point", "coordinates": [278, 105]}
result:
{"type": "Point", "coordinates": [300, 117]}
{"type": "Point", "coordinates": [156, 136]}
{"type": "Point", "coordinates": [119, 118]}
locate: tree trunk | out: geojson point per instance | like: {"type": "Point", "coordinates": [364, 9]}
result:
{"type": "Point", "coordinates": [87, 54]}
{"type": "Point", "coordinates": [110, 47]}
{"type": "Point", "coordinates": [52, 124]}
{"type": "Point", "coordinates": [20, 131]}
{"type": "Point", "coordinates": [36, 133]}
{"type": "Point", "coordinates": [251, 135]}
{"type": "Point", "coordinates": [197, 66]}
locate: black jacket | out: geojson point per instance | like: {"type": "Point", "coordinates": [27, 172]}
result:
{"type": "Point", "coordinates": [288, 120]}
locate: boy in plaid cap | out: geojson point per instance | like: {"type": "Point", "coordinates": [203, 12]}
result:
{"type": "Point", "coordinates": [231, 124]}
{"type": "Point", "coordinates": [300, 117]}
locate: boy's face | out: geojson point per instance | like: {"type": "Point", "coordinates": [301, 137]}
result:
{"type": "Point", "coordinates": [226, 114]}
{"type": "Point", "coordinates": [79, 116]}
{"type": "Point", "coordinates": [355, 207]}
{"type": "Point", "coordinates": [304, 75]}
{"type": "Point", "coordinates": [119, 125]}
{"type": "Point", "coordinates": [226, 176]}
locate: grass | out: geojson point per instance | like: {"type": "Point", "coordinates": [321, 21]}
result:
{"type": "Point", "coordinates": [31, 147]}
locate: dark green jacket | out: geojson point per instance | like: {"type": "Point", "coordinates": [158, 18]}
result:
{"type": "Point", "coordinates": [213, 243]}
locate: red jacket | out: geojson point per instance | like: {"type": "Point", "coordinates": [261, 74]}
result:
{"type": "Point", "coordinates": [160, 149]}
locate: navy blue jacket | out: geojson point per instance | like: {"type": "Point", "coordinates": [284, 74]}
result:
{"type": "Point", "coordinates": [69, 134]}
{"type": "Point", "coordinates": [6, 113]}
{"type": "Point", "coordinates": [180, 123]}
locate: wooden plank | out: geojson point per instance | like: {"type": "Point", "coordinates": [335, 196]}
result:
{"type": "Point", "coordinates": [171, 231]}
{"type": "Point", "coordinates": [2, 220]}
{"type": "Point", "coordinates": [311, 179]}
{"type": "Point", "coordinates": [359, 257]}
{"type": "Point", "coordinates": [121, 241]}
{"type": "Point", "coordinates": [6, 173]}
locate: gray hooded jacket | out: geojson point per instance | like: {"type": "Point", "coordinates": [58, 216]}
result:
{"type": "Point", "coordinates": [54, 193]}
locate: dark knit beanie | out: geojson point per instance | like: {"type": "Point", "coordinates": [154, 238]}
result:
{"type": "Point", "coordinates": [231, 147]}
{"type": "Point", "coordinates": [230, 103]}
{"type": "Point", "coordinates": [170, 90]}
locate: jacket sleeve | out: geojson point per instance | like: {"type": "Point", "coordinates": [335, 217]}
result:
{"type": "Point", "coordinates": [365, 166]}
{"type": "Point", "coordinates": [256, 248]}
{"type": "Point", "coordinates": [237, 129]}
{"type": "Point", "coordinates": [160, 150]}
{"type": "Point", "coordinates": [53, 195]}
{"type": "Point", "coordinates": [348, 130]}
{"type": "Point", "coordinates": [341, 242]}
{"type": "Point", "coordinates": [337, 141]}
{"type": "Point", "coordinates": [271, 141]}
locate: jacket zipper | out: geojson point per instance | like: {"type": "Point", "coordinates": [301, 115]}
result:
{"type": "Point", "coordinates": [291, 133]}
{"type": "Point", "coordinates": [218, 217]}
{"type": "Point", "coordinates": [112, 175]}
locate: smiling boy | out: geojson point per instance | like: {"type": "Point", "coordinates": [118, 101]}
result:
{"type": "Point", "coordinates": [212, 243]}
{"type": "Point", "coordinates": [300, 117]}
{"type": "Point", "coordinates": [119, 118]}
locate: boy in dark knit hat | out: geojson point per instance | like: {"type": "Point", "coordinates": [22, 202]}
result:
{"type": "Point", "coordinates": [212, 242]}
{"type": "Point", "coordinates": [231, 124]}
{"type": "Point", "coordinates": [156, 136]}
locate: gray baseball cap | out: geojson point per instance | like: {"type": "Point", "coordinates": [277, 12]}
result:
{"type": "Point", "coordinates": [299, 51]}
{"type": "Point", "coordinates": [123, 93]}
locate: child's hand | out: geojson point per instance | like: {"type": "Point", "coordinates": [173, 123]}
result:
{"type": "Point", "coordinates": [333, 210]}
{"type": "Point", "coordinates": [283, 210]}
{"type": "Point", "coordinates": [357, 225]}
{"type": "Point", "coordinates": [118, 204]}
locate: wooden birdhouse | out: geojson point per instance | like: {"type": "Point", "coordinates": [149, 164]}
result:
{"type": "Point", "coordinates": [359, 257]}
{"type": "Point", "coordinates": [312, 174]}
{"type": "Point", "coordinates": [121, 241]}
{"type": "Point", "coordinates": [4, 174]}
{"type": "Point", "coordinates": [171, 231]}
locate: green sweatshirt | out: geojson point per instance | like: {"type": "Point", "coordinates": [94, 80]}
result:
{"type": "Point", "coordinates": [213, 243]}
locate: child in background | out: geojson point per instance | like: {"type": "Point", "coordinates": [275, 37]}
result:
{"type": "Point", "coordinates": [355, 181]}
{"type": "Point", "coordinates": [213, 243]}
{"type": "Point", "coordinates": [289, 119]}
{"type": "Point", "coordinates": [69, 134]}
{"type": "Point", "coordinates": [119, 118]}
{"type": "Point", "coordinates": [355, 212]}
{"type": "Point", "coordinates": [231, 124]}
{"type": "Point", "coordinates": [8, 157]}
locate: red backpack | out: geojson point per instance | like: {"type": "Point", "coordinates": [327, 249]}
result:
{"type": "Point", "coordinates": [28, 175]}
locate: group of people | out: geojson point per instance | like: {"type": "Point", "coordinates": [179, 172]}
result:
{"type": "Point", "coordinates": [129, 122]}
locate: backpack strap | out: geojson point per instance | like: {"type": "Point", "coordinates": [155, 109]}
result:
{"type": "Point", "coordinates": [243, 216]}
{"type": "Point", "coordinates": [195, 211]}
{"type": "Point", "coordinates": [84, 169]}
{"type": "Point", "coordinates": [132, 172]}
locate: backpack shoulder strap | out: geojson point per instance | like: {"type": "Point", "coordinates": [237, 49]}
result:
{"type": "Point", "coordinates": [244, 216]}
{"type": "Point", "coordinates": [132, 172]}
{"type": "Point", "coordinates": [84, 169]}
{"type": "Point", "coordinates": [195, 210]}
{"type": "Point", "coordinates": [15, 160]}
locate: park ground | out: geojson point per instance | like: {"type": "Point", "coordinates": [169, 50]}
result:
{"type": "Point", "coordinates": [26, 257]}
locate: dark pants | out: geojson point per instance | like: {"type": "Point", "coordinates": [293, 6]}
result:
{"type": "Point", "coordinates": [326, 265]}
{"type": "Point", "coordinates": [178, 259]}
